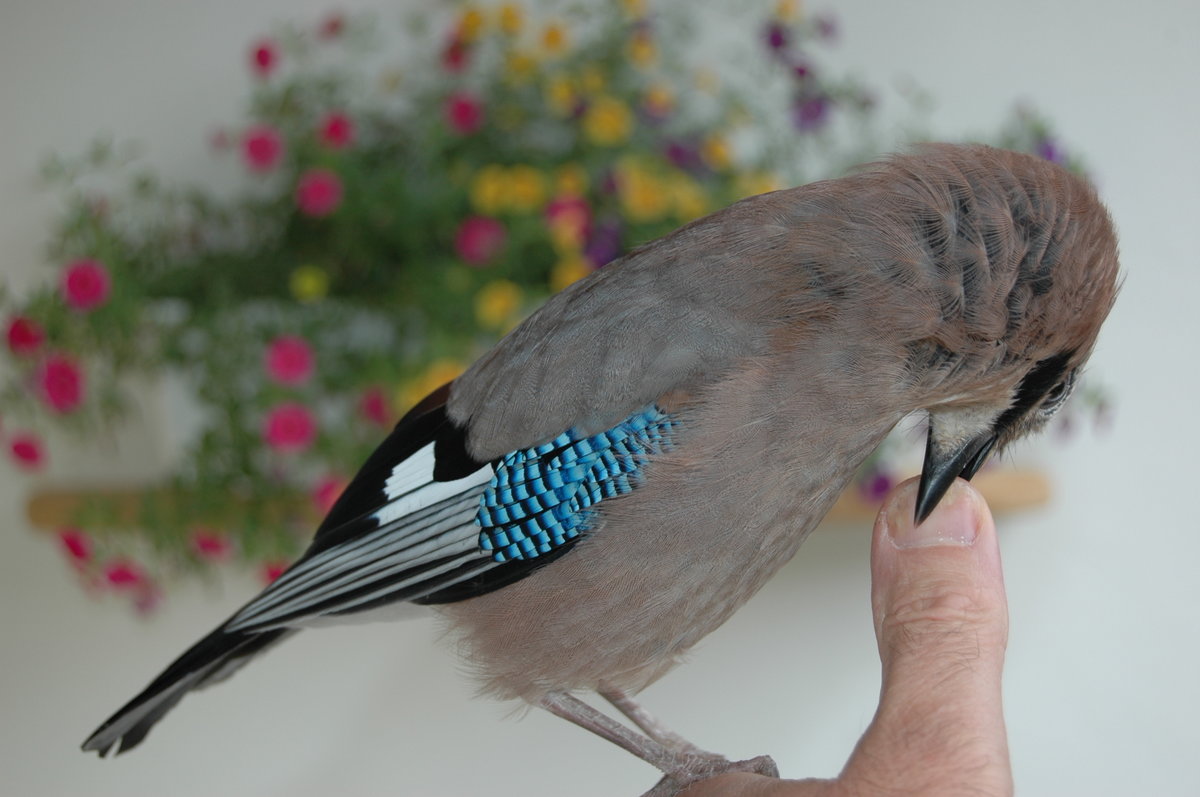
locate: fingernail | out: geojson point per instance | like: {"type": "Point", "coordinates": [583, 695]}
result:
{"type": "Point", "coordinates": [953, 522]}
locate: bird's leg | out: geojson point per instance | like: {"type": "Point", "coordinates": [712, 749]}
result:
{"type": "Point", "coordinates": [681, 768]}
{"type": "Point", "coordinates": [649, 723]}
{"type": "Point", "coordinates": [575, 710]}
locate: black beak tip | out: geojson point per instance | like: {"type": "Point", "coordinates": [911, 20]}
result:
{"type": "Point", "coordinates": [938, 473]}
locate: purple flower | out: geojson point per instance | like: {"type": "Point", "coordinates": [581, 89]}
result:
{"type": "Point", "coordinates": [810, 112]}
{"type": "Point", "coordinates": [776, 37]}
{"type": "Point", "coordinates": [875, 485]}
{"type": "Point", "coordinates": [604, 243]}
{"type": "Point", "coordinates": [683, 155]}
{"type": "Point", "coordinates": [826, 27]}
{"type": "Point", "coordinates": [1048, 149]}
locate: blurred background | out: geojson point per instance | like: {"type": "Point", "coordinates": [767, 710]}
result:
{"type": "Point", "coordinates": [1100, 685]}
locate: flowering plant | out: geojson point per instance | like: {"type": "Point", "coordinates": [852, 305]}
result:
{"type": "Point", "coordinates": [391, 225]}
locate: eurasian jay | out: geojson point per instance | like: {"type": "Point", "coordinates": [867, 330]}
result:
{"type": "Point", "coordinates": [624, 470]}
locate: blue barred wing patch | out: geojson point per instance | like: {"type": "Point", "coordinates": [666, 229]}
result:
{"type": "Point", "coordinates": [539, 497]}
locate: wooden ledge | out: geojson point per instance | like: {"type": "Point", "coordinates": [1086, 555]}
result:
{"type": "Point", "coordinates": [1006, 490]}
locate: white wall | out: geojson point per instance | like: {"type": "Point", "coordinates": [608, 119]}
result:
{"type": "Point", "coordinates": [1101, 686]}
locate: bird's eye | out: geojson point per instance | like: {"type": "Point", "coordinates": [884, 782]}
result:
{"type": "Point", "coordinates": [1057, 395]}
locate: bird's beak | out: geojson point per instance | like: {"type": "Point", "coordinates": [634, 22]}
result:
{"type": "Point", "coordinates": [945, 463]}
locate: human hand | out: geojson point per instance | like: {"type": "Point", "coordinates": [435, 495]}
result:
{"type": "Point", "coordinates": [941, 620]}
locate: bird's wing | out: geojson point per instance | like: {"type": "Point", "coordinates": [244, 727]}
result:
{"type": "Point", "coordinates": [424, 522]}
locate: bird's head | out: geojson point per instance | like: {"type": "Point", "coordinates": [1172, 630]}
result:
{"type": "Point", "coordinates": [1026, 263]}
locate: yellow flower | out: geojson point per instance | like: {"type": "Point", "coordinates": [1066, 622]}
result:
{"type": "Point", "coordinates": [634, 8]}
{"type": "Point", "coordinates": [497, 303]}
{"type": "Point", "coordinates": [470, 24]}
{"type": "Point", "coordinates": [437, 374]}
{"type": "Point", "coordinates": [715, 153]}
{"type": "Point", "coordinates": [391, 80]}
{"type": "Point", "coordinates": [608, 122]}
{"type": "Point", "coordinates": [644, 197]}
{"type": "Point", "coordinates": [555, 39]}
{"type": "Point", "coordinates": [512, 18]}
{"type": "Point", "coordinates": [519, 66]}
{"type": "Point", "coordinates": [756, 183]}
{"type": "Point", "coordinates": [706, 80]}
{"type": "Point", "coordinates": [592, 80]}
{"type": "Point", "coordinates": [571, 178]}
{"type": "Point", "coordinates": [690, 200]}
{"type": "Point", "coordinates": [488, 190]}
{"type": "Point", "coordinates": [641, 50]}
{"type": "Point", "coordinates": [660, 100]}
{"type": "Point", "coordinates": [309, 283]}
{"type": "Point", "coordinates": [526, 188]}
{"type": "Point", "coordinates": [787, 10]}
{"type": "Point", "coordinates": [560, 95]}
{"type": "Point", "coordinates": [568, 270]}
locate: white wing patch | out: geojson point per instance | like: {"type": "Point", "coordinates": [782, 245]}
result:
{"type": "Point", "coordinates": [411, 486]}
{"type": "Point", "coordinates": [425, 529]}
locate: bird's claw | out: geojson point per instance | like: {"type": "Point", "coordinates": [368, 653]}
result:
{"type": "Point", "coordinates": [698, 768]}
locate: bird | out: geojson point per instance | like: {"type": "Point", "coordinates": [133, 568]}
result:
{"type": "Point", "coordinates": [629, 465]}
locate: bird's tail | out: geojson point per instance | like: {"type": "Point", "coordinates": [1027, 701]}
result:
{"type": "Point", "coordinates": [212, 659]}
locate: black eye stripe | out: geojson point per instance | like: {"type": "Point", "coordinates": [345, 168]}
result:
{"type": "Point", "coordinates": [1044, 377]}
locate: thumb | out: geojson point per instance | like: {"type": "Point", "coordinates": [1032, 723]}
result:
{"type": "Point", "coordinates": [941, 620]}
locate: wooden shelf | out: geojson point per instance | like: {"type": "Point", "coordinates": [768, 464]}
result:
{"type": "Point", "coordinates": [1006, 490]}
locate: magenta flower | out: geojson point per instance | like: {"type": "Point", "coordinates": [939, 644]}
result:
{"type": "Point", "coordinates": [337, 130]}
{"type": "Point", "coordinates": [464, 113]}
{"type": "Point", "coordinates": [810, 112]}
{"type": "Point", "coordinates": [76, 544]}
{"type": "Point", "coordinates": [211, 545]}
{"type": "Point", "coordinates": [326, 493]}
{"type": "Point", "coordinates": [290, 428]}
{"type": "Point", "coordinates": [776, 36]}
{"type": "Point", "coordinates": [264, 57]}
{"type": "Point", "coordinates": [374, 407]}
{"type": "Point", "coordinates": [85, 285]}
{"type": "Point", "coordinates": [479, 240]}
{"type": "Point", "coordinates": [60, 383]}
{"type": "Point", "coordinates": [123, 574]}
{"type": "Point", "coordinates": [570, 212]}
{"type": "Point", "coordinates": [27, 451]}
{"type": "Point", "coordinates": [272, 571]}
{"type": "Point", "coordinates": [262, 148]}
{"type": "Point", "coordinates": [290, 360]}
{"type": "Point", "coordinates": [25, 336]}
{"type": "Point", "coordinates": [318, 192]}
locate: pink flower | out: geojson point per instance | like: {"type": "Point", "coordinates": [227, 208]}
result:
{"type": "Point", "coordinates": [77, 545]}
{"type": "Point", "coordinates": [326, 493]}
{"type": "Point", "coordinates": [209, 544]}
{"type": "Point", "coordinates": [26, 450]}
{"type": "Point", "coordinates": [479, 240]}
{"type": "Point", "coordinates": [123, 574]}
{"type": "Point", "coordinates": [262, 148]}
{"type": "Point", "coordinates": [290, 360]}
{"type": "Point", "coordinates": [337, 130]}
{"type": "Point", "coordinates": [454, 55]}
{"type": "Point", "coordinates": [464, 113]}
{"type": "Point", "coordinates": [570, 214]}
{"type": "Point", "coordinates": [60, 383]}
{"type": "Point", "coordinates": [25, 336]}
{"type": "Point", "coordinates": [374, 406]}
{"type": "Point", "coordinates": [290, 427]}
{"type": "Point", "coordinates": [318, 192]}
{"type": "Point", "coordinates": [85, 285]}
{"type": "Point", "coordinates": [272, 571]}
{"type": "Point", "coordinates": [332, 26]}
{"type": "Point", "coordinates": [147, 598]}
{"type": "Point", "coordinates": [264, 57]}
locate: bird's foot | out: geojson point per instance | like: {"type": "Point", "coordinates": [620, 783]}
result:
{"type": "Point", "coordinates": [697, 768]}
